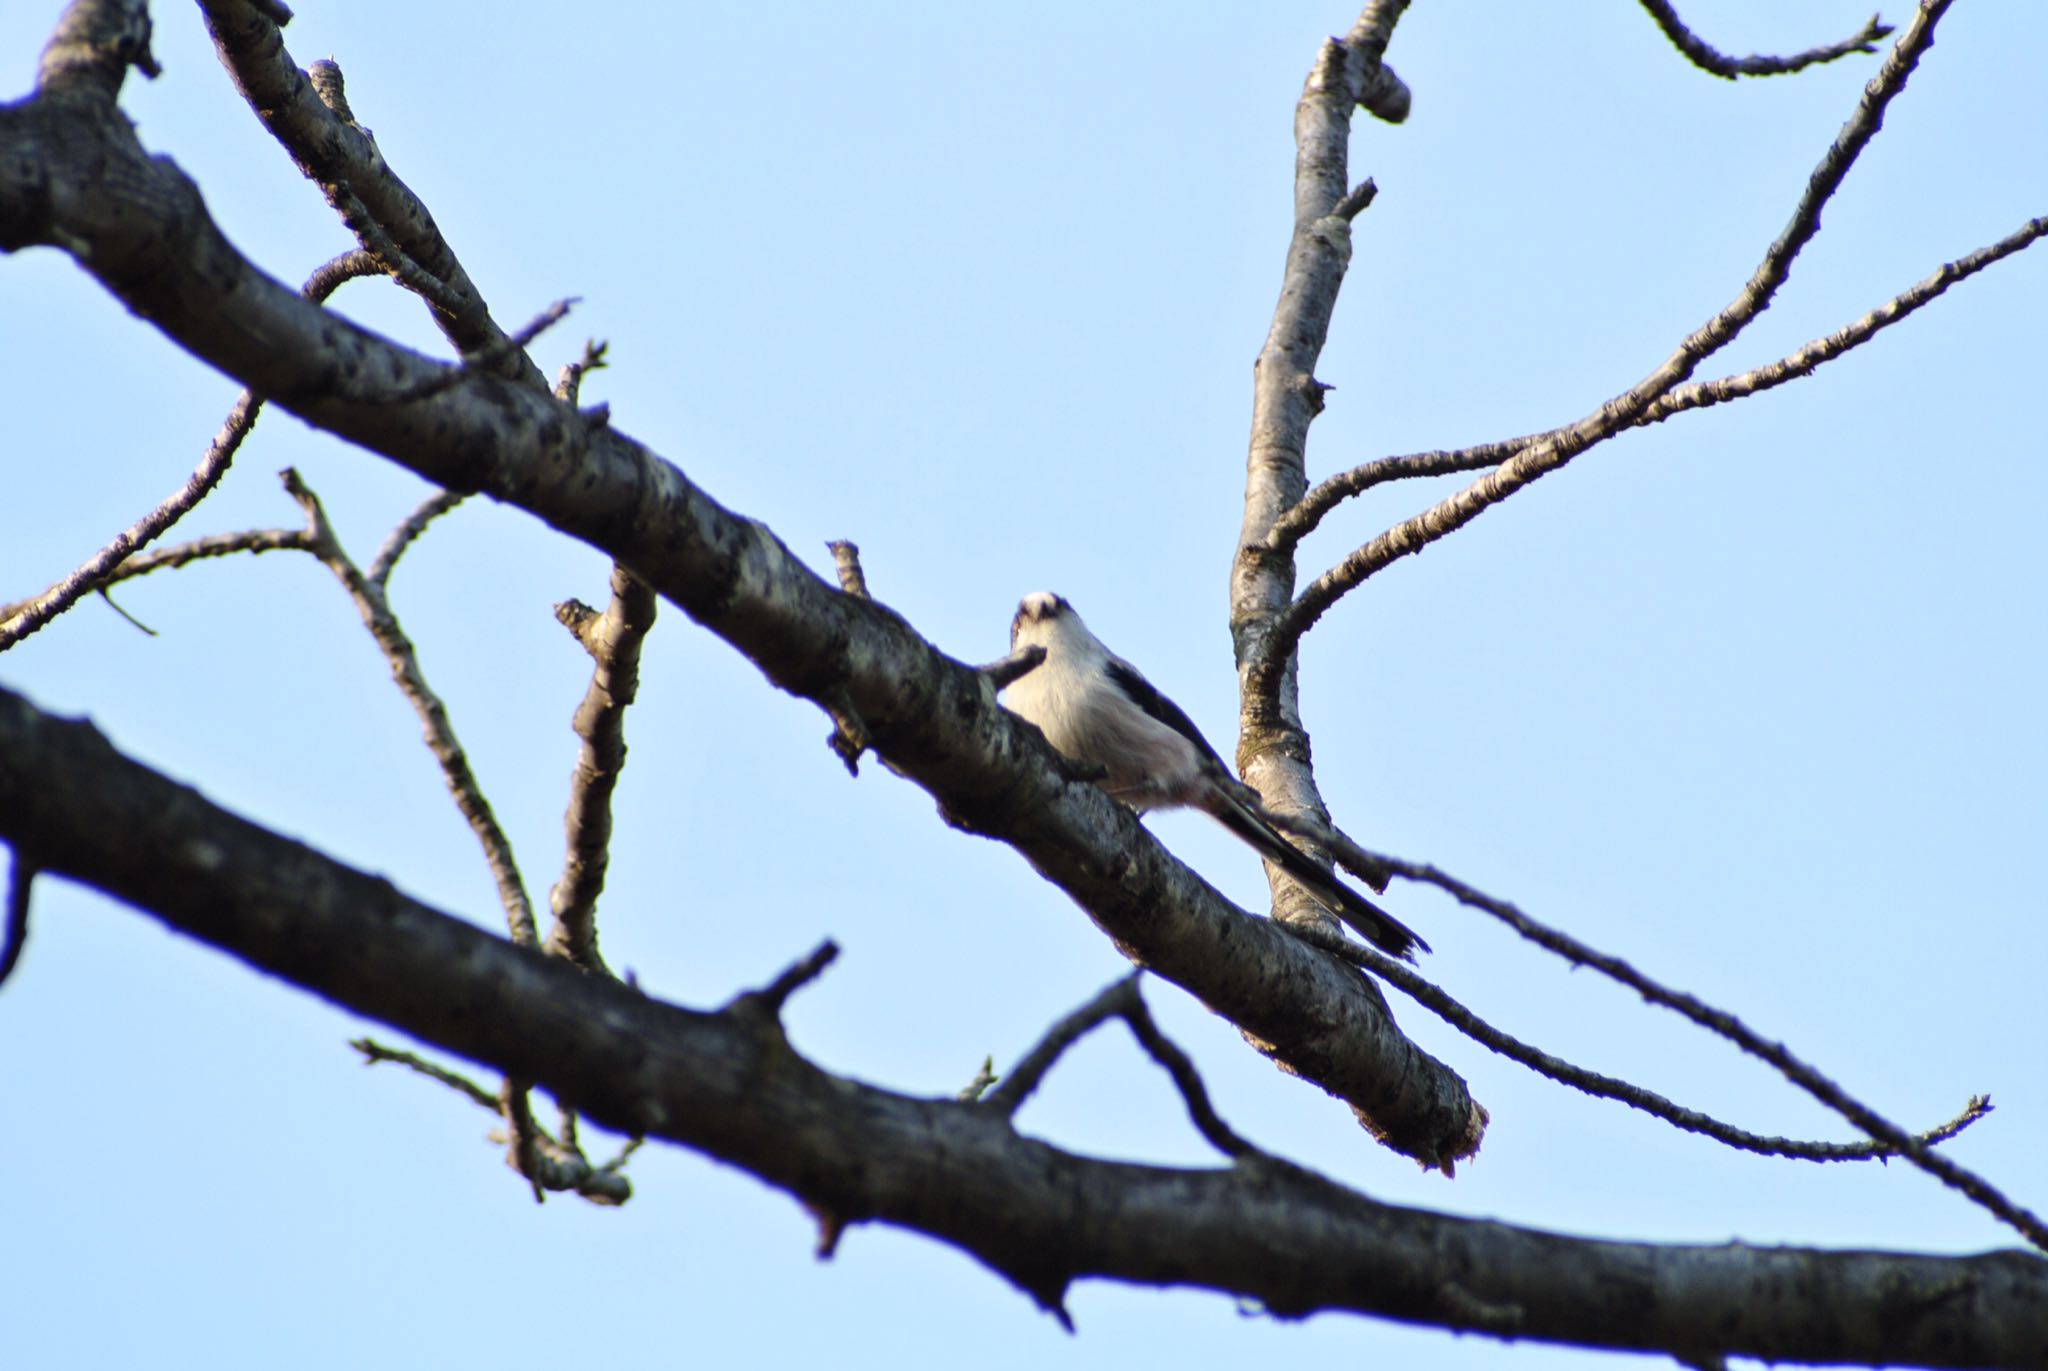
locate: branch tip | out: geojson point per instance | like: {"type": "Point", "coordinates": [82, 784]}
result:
{"type": "Point", "coordinates": [1355, 202]}
{"type": "Point", "coordinates": [846, 561]}
{"type": "Point", "coordinates": [1013, 667]}
{"type": "Point", "coordinates": [776, 993]}
{"type": "Point", "coordinates": [984, 1077]}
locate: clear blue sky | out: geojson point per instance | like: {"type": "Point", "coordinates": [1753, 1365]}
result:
{"type": "Point", "coordinates": [1752, 698]}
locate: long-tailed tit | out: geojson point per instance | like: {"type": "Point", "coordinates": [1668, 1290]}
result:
{"type": "Point", "coordinates": [1096, 708]}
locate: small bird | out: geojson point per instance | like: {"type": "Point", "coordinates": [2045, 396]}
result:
{"type": "Point", "coordinates": [1098, 709]}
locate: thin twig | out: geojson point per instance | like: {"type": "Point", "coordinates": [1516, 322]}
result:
{"type": "Point", "coordinates": [1185, 1078]}
{"type": "Point", "coordinates": [1709, 59]}
{"type": "Point", "coordinates": [1916, 1148]}
{"type": "Point", "coordinates": [180, 554]}
{"type": "Point", "coordinates": [1454, 1013]}
{"type": "Point", "coordinates": [375, 1052]}
{"type": "Point", "coordinates": [770, 998]}
{"type": "Point", "coordinates": [1275, 646]}
{"type": "Point", "coordinates": [1118, 1000]}
{"type": "Point", "coordinates": [19, 622]}
{"type": "Point", "coordinates": [613, 640]}
{"type": "Point", "coordinates": [328, 84]}
{"type": "Point", "coordinates": [1296, 524]}
{"type": "Point", "coordinates": [553, 1164]}
{"type": "Point", "coordinates": [339, 155]}
{"type": "Point", "coordinates": [407, 533]}
{"type": "Point", "coordinates": [1023, 1078]}
{"type": "Point", "coordinates": [1805, 360]}
{"type": "Point", "coordinates": [375, 611]}
{"type": "Point", "coordinates": [90, 576]}
{"type": "Point", "coordinates": [569, 381]}
{"type": "Point", "coordinates": [21, 875]}
{"type": "Point", "coordinates": [522, 1135]}
{"type": "Point", "coordinates": [490, 358]}
{"type": "Point", "coordinates": [110, 602]}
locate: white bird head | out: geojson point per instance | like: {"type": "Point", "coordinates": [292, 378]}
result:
{"type": "Point", "coordinates": [1047, 620]}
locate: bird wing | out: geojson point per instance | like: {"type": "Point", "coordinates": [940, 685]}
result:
{"type": "Point", "coordinates": [1146, 696]}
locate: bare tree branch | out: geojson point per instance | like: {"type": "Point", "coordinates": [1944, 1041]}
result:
{"type": "Point", "coordinates": [569, 381]}
{"type": "Point", "coordinates": [375, 1052]}
{"type": "Point", "coordinates": [1914, 1148]}
{"type": "Point", "coordinates": [729, 1084]}
{"type": "Point", "coordinates": [1705, 57]}
{"type": "Point", "coordinates": [406, 534]}
{"type": "Point", "coordinates": [337, 155]}
{"type": "Point", "coordinates": [1021, 1080]}
{"type": "Point", "coordinates": [96, 572]}
{"type": "Point", "coordinates": [253, 541]}
{"type": "Point", "coordinates": [1118, 1000]}
{"type": "Point", "coordinates": [1442, 1004]}
{"type": "Point", "coordinates": [548, 1162]}
{"type": "Point", "coordinates": [769, 1000]}
{"type": "Point", "coordinates": [1195, 1095]}
{"type": "Point", "coordinates": [375, 610]}
{"type": "Point", "coordinates": [493, 357]}
{"type": "Point", "coordinates": [19, 620]}
{"type": "Point", "coordinates": [613, 641]}
{"type": "Point", "coordinates": [1273, 743]}
{"type": "Point", "coordinates": [1268, 656]}
{"type": "Point", "coordinates": [936, 721]}
{"type": "Point", "coordinates": [1299, 521]}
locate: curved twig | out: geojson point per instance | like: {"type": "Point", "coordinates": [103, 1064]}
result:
{"type": "Point", "coordinates": [1709, 59]}
{"type": "Point", "coordinates": [1916, 1148]}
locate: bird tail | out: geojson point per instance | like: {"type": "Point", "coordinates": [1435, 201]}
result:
{"type": "Point", "coordinates": [1374, 924]}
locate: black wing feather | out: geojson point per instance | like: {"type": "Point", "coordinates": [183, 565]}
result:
{"type": "Point", "coordinates": [1146, 696]}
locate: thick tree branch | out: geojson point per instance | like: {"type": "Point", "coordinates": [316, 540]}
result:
{"type": "Point", "coordinates": [340, 157]}
{"type": "Point", "coordinates": [1273, 743]}
{"type": "Point", "coordinates": [730, 1084]}
{"type": "Point", "coordinates": [138, 224]}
